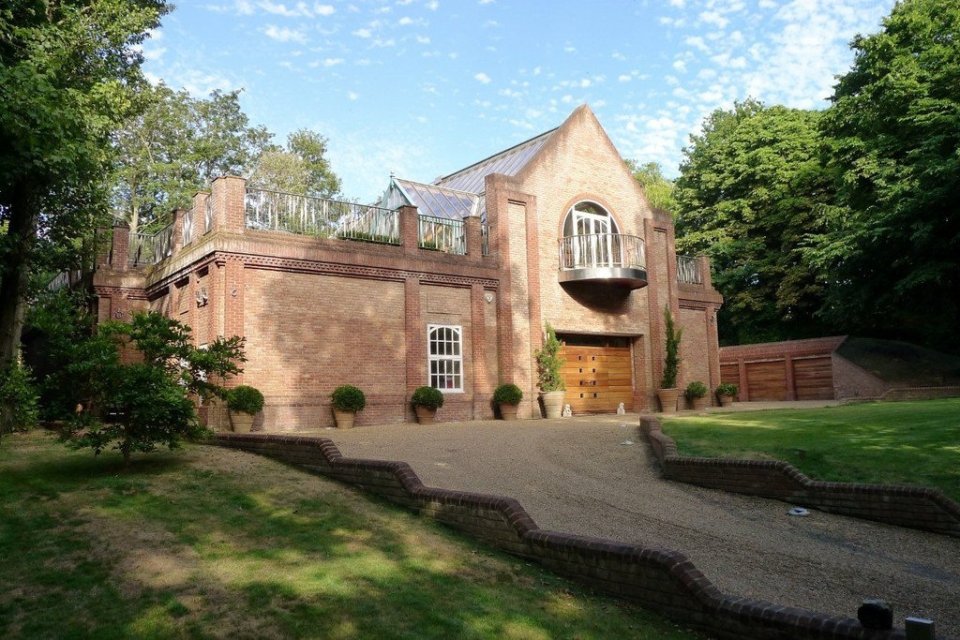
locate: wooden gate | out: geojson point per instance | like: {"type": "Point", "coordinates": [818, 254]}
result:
{"type": "Point", "coordinates": [598, 378]}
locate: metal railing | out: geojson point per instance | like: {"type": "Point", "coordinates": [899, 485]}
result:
{"type": "Point", "coordinates": [442, 234]}
{"type": "Point", "coordinates": [208, 214]}
{"type": "Point", "coordinates": [64, 279]}
{"type": "Point", "coordinates": [321, 217]}
{"type": "Point", "coordinates": [187, 227]}
{"type": "Point", "coordinates": [688, 270]}
{"type": "Point", "coordinates": [602, 250]}
{"type": "Point", "coordinates": [151, 248]}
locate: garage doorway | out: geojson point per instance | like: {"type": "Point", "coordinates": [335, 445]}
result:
{"type": "Point", "coordinates": [598, 373]}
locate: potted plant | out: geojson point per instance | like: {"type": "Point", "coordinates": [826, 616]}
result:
{"type": "Point", "coordinates": [426, 401]}
{"type": "Point", "coordinates": [548, 374]}
{"type": "Point", "coordinates": [696, 393]}
{"type": "Point", "coordinates": [726, 392]}
{"type": "Point", "coordinates": [508, 396]}
{"type": "Point", "coordinates": [244, 402]}
{"type": "Point", "coordinates": [668, 392]}
{"type": "Point", "coordinates": [347, 400]}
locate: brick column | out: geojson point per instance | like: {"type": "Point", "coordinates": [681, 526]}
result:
{"type": "Point", "coordinates": [120, 246]}
{"type": "Point", "coordinates": [415, 340]}
{"type": "Point", "coordinates": [474, 238]}
{"type": "Point", "coordinates": [228, 204]}
{"type": "Point", "coordinates": [200, 214]}
{"type": "Point", "coordinates": [410, 229]}
{"type": "Point", "coordinates": [176, 240]}
{"type": "Point", "coordinates": [481, 388]}
{"type": "Point", "coordinates": [704, 264]}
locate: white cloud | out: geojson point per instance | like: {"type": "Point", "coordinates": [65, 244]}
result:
{"type": "Point", "coordinates": [618, 56]}
{"type": "Point", "coordinates": [714, 18]}
{"type": "Point", "coordinates": [332, 62]}
{"type": "Point", "coordinates": [697, 43]}
{"type": "Point", "coordinates": [352, 95]}
{"type": "Point", "coordinates": [324, 9]}
{"type": "Point", "coordinates": [623, 77]}
{"type": "Point", "coordinates": [677, 3]}
{"type": "Point", "coordinates": [363, 33]}
{"type": "Point", "coordinates": [482, 78]}
{"type": "Point", "coordinates": [680, 66]}
{"type": "Point", "coordinates": [423, 39]}
{"type": "Point", "coordinates": [284, 34]}
{"type": "Point", "coordinates": [433, 5]}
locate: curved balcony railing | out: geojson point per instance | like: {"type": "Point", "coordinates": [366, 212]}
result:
{"type": "Point", "coordinates": [612, 257]}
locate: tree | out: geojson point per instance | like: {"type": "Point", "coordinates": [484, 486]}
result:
{"type": "Point", "coordinates": [750, 195]}
{"type": "Point", "coordinates": [658, 188]}
{"type": "Point", "coordinates": [174, 145]}
{"type": "Point", "coordinates": [893, 132]}
{"type": "Point", "coordinates": [302, 168]}
{"type": "Point", "coordinates": [67, 73]}
{"type": "Point", "coordinates": [137, 405]}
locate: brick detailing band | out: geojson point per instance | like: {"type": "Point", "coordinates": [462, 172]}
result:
{"type": "Point", "coordinates": [914, 507]}
{"type": "Point", "coordinates": [658, 579]}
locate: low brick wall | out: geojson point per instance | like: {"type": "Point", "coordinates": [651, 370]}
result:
{"type": "Point", "coordinates": [657, 579]}
{"type": "Point", "coordinates": [915, 507]}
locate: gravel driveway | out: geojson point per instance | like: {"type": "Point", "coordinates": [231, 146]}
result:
{"type": "Point", "coordinates": [579, 476]}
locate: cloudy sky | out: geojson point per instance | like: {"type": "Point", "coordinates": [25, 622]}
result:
{"type": "Point", "coordinates": [422, 88]}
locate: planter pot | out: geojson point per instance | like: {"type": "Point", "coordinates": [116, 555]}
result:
{"type": "Point", "coordinates": [698, 404]}
{"type": "Point", "coordinates": [668, 399]}
{"type": "Point", "coordinates": [553, 403]}
{"type": "Point", "coordinates": [425, 415]}
{"type": "Point", "coordinates": [344, 418]}
{"type": "Point", "coordinates": [508, 411]}
{"type": "Point", "coordinates": [725, 401]}
{"type": "Point", "coordinates": [241, 422]}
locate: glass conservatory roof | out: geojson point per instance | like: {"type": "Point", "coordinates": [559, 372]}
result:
{"type": "Point", "coordinates": [509, 162]}
{"type": "Point", "coordinates": [441, 202]}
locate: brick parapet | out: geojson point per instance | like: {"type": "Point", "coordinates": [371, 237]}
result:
{"type": "Point", "coordinates": [913, 507]}
{"type": "Point", "coordinates": [658, 579]}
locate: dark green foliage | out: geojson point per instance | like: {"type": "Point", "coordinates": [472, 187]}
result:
{"type": "Point", "coordinates": [695, 389]}
{"type": "Point", "coordinates": [659, 189]}
{"type": "Point", "coordinates": [348, 398]}
{"type": "Point", "coordinates": [671, 360]}
{"type": "Point", "coordinates": [507, 394]}
{"type": "Point", "coordinates": [18, 399]}
{"type": "Point", "coordinates": [727, 389]}
{"type": "Point", "coordinates": [427, 397]}
{"type": "Point", "coordinates": [245, 399]}
{"type": "Point", "coordinates": [549, 363]}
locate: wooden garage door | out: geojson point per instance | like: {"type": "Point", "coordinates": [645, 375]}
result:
{"type": "Point", "coordinates": [813, 378]}
{"type": "Point", "coordinates": [767, 380]}
{"type": "Point", "coordinates": [598, 378]}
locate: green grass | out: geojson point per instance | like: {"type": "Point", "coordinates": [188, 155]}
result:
{"type": "Point", "coordinates": [888, 443]}
{"type": "Point", "coordinates": [213, 543]}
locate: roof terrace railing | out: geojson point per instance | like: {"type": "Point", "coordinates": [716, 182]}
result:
{"type": "Point", "coordinates": [151, 248]}
{"type": "Point", "coordinates": [321, 217]}
{"type": "Point", "coordinates": [602, 250]}
{"type": "Point", "coordinates": [442, 234]}
{"type": "Point", "coordinates": [688, 270]}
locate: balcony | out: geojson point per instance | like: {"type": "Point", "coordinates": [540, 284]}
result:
{"type": "Point", "coordinates": [604, 258]}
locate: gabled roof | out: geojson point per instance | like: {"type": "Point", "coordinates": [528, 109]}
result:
{"type": "Point", "coordinates": [433, 200]}
{"type": "Point", "coordinates": [508, 162]}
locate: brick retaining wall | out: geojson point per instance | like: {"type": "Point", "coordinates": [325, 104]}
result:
{"type": "Point", "coordinates": [658, 579]}
{"type": "Point", "coordinates": [914, 507]}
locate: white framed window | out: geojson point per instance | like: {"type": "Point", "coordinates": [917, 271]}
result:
{"type": "Point", "coordinates": [445, 357]}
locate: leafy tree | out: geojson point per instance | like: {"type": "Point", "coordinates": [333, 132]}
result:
{"type": "Point", "coordinates": [68, 70]}
{"type": "Point", "coordinates": [893, 132]}
{"type": "Point", "coordinates": [175, 145]}
{"type": "Point", "coordinates": [750, 195]}
{"type": "Point", "coordinates": [17, 392]}
{"type": "Point", "coordinates": [302, 168]}
{"type": "Point", "coordinates": [658, 188]}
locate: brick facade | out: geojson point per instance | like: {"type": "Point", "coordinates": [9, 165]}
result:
{"type": "Point", "coordinates": [321, 312]}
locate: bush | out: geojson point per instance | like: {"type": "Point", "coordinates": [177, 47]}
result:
{"type": "Point", "coordinates": [727, 389]}
{"type": "Point", "coordinates": [508, 394]}
{"type": "Point", "coordinates": [695, 389]}
{"type": "Point", "coordinates": [348, 398]}
{"type": "Point", "coordinates": [245, 399]}
{"type": "Point", "coordinates": [427, 397]}
{"type": "Point", "coordinates": [549, 363]}
{"type": "Point", "coordinates": [18, 399]}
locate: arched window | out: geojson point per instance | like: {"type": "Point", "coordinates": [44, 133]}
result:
{"type": "Point", "coordinates": [587, 218]}
{"type": "Point", "coordinates": [590, 238]}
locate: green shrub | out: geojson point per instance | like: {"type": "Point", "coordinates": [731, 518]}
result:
{"type": "Point", "coordinates": [18, 398]}
{"type": "Point", "coordinates": [549, 363]}
{"type": "Point", "coordinates": [727, 389]}
{"type": "Point", "coordinates": [245, 399]}
{"type": "Point", "coordinates": [695, 389]}
{"type": "Point", "coordinates": [348, 398]}
{"type": "Point", "coordinates": [671, 361]}
{"type": "Point", "coordinates": [427, 397]}
{"type": "Point", "coordinates": [508, 394]}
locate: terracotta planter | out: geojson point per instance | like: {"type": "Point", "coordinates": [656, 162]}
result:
{"type": "Point", "coordinates": [344, 419]}
{"type": "Point", "coordinates": [698, 404]}
{"type": "Point", "coordinates": [725, 401]}
{"type": "Point", "coordinates": [668, 399]}
{"type": "Point", "coordinates": [241, 422]}
{"type": "Point", "coordinates": [508, 411]}
{"type": "Point", "coordinates": [553, 403]}
{"type": "Point", "coordinates": [425, 415]}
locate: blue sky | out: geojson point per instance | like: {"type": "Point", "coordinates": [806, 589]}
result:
{"type": "Point", "coordinates": [422, 88]}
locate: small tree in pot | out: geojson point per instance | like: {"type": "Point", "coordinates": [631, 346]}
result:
{"type": "Point", "coordinates": [696, 394]}
{"type": "Point", "coordinates": [668, 392]}
{"type": "Point", "coordinates": [508, 396]}
{"type": "Point", "coordinates": [726, 392]}
{"type": "Point", "coordinates": [548, 374]}
{"type": "Point", "coordinates": [426, 401]}
{"type": "Point", "coordinates": [244, 402]}
{"type": "Point", "coordinates": [347, 400]}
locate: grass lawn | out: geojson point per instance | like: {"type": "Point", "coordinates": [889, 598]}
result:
{"type": "Point", "coordinates": [208, 542]}
{"type": "Point", "coordinates": [882, 442]}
